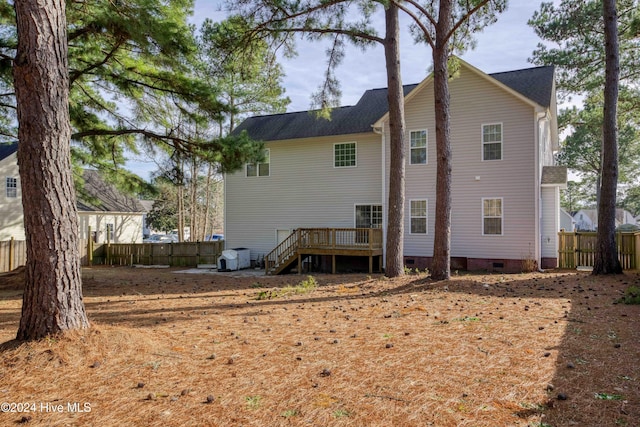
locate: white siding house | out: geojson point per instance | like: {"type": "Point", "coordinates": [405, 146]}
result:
{"type": "Point", "coordinates": [587, 219]}
{"type": "Point", "coordinates": [110, 215]}
{"type": "Point", "coordinates": [505, 186]}
{"type": "Point", "coordinates": [11, 224]}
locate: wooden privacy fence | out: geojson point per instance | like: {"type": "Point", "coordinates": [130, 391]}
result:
{"type": "Point", "coordinates": [13, 253]}
{"type": "Point", "coordinates": [186, 254]}
{"type": "Point", "coordinates": [577, 249]}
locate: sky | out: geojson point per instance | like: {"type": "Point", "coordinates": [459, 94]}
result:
{"type": "Point", "coordinates": [504, 46]}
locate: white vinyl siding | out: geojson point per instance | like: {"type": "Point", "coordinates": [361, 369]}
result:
{"type": "Point", "coordinates": [305, 190]}
{"type": "Point", "coordinates": [492, 141]}
{"type": "Point", "coordinates": [492, 217]}
{"type": "Point", "coordinates": [418, 147]}
{"type": "Point", "coordinates": [550, 221]}
{"type": "Point", "coordinates": [418, 214]}
{"type": "Point", "coordinates": [12, 187]}
{"type": "Point", "coordinates": [476, 101]}
{"type": "Point", "coordinates": [262, 168]}
{"type": "Point", "coordinates": [345, 155]}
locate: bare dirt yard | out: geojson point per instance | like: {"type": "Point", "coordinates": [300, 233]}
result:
{"type": "Point", "coordinates": [169, 348]}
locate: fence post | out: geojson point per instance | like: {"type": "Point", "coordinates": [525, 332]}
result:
{"type": "Point", "coordinates": [11, 253]}
{"type": "Point", "coordinates": [89, 247]}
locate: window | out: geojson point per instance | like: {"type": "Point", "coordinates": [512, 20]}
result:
{"type": "Point", "coordinates": [368, 216]}
{"type": "Point", "coordinates": [492, 141]}
{"type": "Point", "coordinates": [12, 187]}
{"type": "Point", "coordinates": [110, 235]}
{"type": "Point", "coordinates": [344, 155]}
{"type": "Point", "coordinates": [418, 141]}
{"type": "Point", "coordinates": [260, 169]}
{"type": "Point", "coordinates": [418, 217]}
{"type": "Point", "coordinates": [492, 217]}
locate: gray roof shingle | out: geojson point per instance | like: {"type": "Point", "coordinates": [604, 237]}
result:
{"type": "Point", "coordinates": [7, 149]}
{"type": "Point", "coordinates": [104, 197]}
{"type": "Point", "coordinates": [533, 83]}
{"type": "Point", "coordinates": [552, 175]}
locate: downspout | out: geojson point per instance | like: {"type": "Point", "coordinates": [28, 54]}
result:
{"type": "Point", "coordinates": [379, 130]}
{"type": "Point", "coordinates": [538, 192]}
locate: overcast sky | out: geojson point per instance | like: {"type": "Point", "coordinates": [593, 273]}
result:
{"type": "Point", "coordinates": [504, 46]}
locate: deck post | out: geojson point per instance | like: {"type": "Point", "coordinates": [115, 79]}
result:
{"type": "Point", "coordinates": [333, 264]}
{"type": "Point", "coordinates": [299, 263]}
{"type": "Point", "coordinates": [370, 263]}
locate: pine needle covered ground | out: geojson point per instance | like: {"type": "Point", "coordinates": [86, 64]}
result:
{"type": "Point", "coordinates": [174, 349]}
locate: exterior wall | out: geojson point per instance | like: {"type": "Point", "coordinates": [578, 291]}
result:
{"type": "Point", "coordinates": [474, 102]}
{"type": "Point", "coordinates": [127, 228]}
{"type": "Point", "coordinates": [584, 221]}
{"type": "Point", "coordinates": [11, 216]}
{"type": "Point", "coordinates": [303, 189]}
{"type": "Point", "coordinates": [550, 222]}
{"type": "Point", "coordinates": [567, 223]}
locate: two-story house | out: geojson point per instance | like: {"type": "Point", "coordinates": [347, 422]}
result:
{"type": "Point", "coordinates": [103, 211]}
{"type": "Point", "coordinates": [320, 173]}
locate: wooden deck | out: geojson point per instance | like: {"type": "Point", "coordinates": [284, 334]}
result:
{"type": "Point", "coordinates": [305, 242]}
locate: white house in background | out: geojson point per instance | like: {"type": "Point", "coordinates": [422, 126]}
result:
{"type": "Point", "coordinates": [111, 215]}
{"type": "Point", "coordinates": [335, 173]}
{"type": "Point", "coordinates": [567, 223]}
{"type": "Point", "coordinates": [587, 219]}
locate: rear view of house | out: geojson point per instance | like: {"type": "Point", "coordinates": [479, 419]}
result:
{"type": "Point", "coordinates": [333, 175]}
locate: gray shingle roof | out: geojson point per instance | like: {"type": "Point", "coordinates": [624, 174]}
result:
{"type": "Point", "coordinates": [554, 175]}
{"type": "Point", "coordinates": [105, 197]}
{"type": "Point", "coordinates": [7, 149]}
{"type": "Point", "coordinates": [533, 83]}
{"type": "Point", "coordinates": [305, 124]}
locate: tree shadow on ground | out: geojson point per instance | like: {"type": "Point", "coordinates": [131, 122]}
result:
{"type": "Point", "coordinates": [597, 367]}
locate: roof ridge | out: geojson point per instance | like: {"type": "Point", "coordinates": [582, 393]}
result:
{"type": "Point", "coordinates": [521, 69]}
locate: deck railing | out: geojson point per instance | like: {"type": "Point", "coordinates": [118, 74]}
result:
{"type": "Point", "coordinates": [308, 239]}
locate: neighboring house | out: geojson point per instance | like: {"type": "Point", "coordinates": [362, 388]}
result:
{"type": "Point", "coordinates": [567, 223]}
{"type": "Point", "coordinates": [587, 219]}
{"type": "Point", "coordinates": [103, 211]}
{"type": "Point", "coordinates": [335, 173]}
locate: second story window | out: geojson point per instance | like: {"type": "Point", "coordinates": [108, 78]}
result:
{"type": "Point", "coordinates": [418, 141]}
{"type": "Point", "coordinates": [260, 169]}
{"type": "Point", "coordinates": [344, 155]}
{"type": "Point", "coordinates": [492, 141]}
{"type": "Point", "coordinates": [12, 187]}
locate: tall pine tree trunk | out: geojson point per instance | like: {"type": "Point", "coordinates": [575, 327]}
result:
{"type": "Point", "coordinates": [395, 95]}
{"type": "Point", "coordinates": [440, 267]}
{"type": "Point", "coordinates": [52, 300]}
{"type": "Point", "coordinates": [606, 257]}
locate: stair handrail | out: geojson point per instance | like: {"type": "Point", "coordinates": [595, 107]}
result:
{"type": "Point", "coordinates": [283, 251]}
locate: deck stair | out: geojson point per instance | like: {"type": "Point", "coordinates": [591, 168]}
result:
{"type": "Point", "coordinates": [304, 242]}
